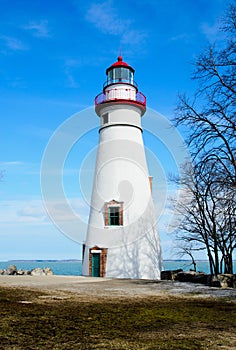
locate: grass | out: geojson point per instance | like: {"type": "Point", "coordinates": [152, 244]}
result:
{"type": "Point", "coordinates": [36, 320]}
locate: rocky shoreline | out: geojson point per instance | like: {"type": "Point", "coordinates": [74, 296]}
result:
{"type": "Point", "coordinates": [12, 271]}
{"type": "Point", "coordinates": [221, 280]}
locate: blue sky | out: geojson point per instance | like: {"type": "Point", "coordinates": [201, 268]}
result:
{"type": "Point", "coordinates": [53, 60]}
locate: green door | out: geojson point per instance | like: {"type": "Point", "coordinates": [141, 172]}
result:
{"type": "Point", "coordinates": [95, 265]}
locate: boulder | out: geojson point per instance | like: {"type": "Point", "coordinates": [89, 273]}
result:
{"type": "Point", "coordinates": [38, 272]}
{"type": "Point", "coordinates": [200, 277]}
{"type": "Point", "coordinates": [22, 272]}
{"type": "Point", "coordinates": [48, 271]}
{"type": "Point", "coordinates": [234, 281]}
{"type": "Point", "coordinates": [11, 270]}
{"type": "Point", "coordinates": [192, 276]}
{"type": "Point", "coordinates": [170, 275]}
{"type": "Point", "coordinates": [223, 281]}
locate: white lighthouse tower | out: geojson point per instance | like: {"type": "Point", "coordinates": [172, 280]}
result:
{"type": "Point", "coordinates": [122, 239]}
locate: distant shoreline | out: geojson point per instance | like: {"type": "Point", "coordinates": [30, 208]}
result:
{"type": "Point", "coordinates": [41, 260]}
{"type": "Point", "coordinates": [80, 260]}
{"type": "Point", "coordinates": [74, 266]}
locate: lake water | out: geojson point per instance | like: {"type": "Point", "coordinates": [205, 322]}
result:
{"type": "Point", "coordinates": [74, 268]}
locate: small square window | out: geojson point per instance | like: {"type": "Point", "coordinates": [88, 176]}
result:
{"type": "Point", "coordinates": [113, 213]}
{"type": "Point", "coordinates": [105, 118]}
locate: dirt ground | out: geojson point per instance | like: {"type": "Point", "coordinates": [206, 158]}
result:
{"type": "Point", "coordinates": [100, 287]}
{"type": "Point", "coordinates": [70, 313]}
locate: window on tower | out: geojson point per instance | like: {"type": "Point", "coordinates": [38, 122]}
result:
{"type": "Point", "coordinates": [114, 216]}
{"type": "Point", "coordinates": [120, 74]}
{"type": "Point", "coordinates": [105, 118]}
{"type": "Point", "coordinates": [113, 213]}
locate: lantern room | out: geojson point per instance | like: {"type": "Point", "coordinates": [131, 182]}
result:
{"type": "Point", "coordinates": [120, 72]}
{"type": "Point", "coordinates": [120, 88]}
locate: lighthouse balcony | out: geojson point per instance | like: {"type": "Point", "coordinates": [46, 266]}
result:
{"type": "Point", "coordinates": [121, 94]}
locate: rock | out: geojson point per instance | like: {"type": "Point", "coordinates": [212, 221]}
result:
{"type": "Point", "coordinates": [192, 276]}
{"type": "Point", "coordinates": [22, 272]}
{"type": "Point", "coordinates": [220, 281]}
{"type": "Point", "coordinates": [234, 281]}
{"type": "Point", "coordinates": [214, 281]}
{"type": "Point", "coordinates": [48, 271]}
{"type": "Point", "coordinates": [41, 272]}
{"type": "Point", "coordinates": [200, 277]}
{"type": "Point", "coordinates": [38, 272]}
{"type": "Point", "coordinates": [11, 270]}
{"type": "Point", "coordinates": [170, 275]}
{"type": "Point", "coordinates": [223, 281]}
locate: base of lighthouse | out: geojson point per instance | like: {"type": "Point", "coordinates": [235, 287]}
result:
{"type": "Point", "coordinates": [123, 262]}
{"type": "Point", "coordinates": [133, 251]}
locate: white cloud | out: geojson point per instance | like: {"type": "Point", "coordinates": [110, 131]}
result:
{"type": "Point", "coordinates": [12, 43]}
{"type": "Point", "coordinates": [68, 210]}
{"type": "Point", "coordinates": [38, 29]}
{"type": "Point", "coordinates": [34, 211]}
{"type": "Point", "coordinates": [104, 17]}
{"type": "Point", "coordinates": [10, 163]}
{"type": "Point", "coordinates": [20, 167]}
{"type": "Point", "coordinates": [71, 80]}
{"type": "Point", "coordinates": [70, 64]}
{"type": "Point", "coordinates": [134, 37]}
{"type": "Point", "coordinates": [210, 31]}
{"type": "Point", "coordinates": [16, 211]}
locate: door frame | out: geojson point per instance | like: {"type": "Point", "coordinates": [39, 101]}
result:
{"type": "Point", "coordinates": [96, 268]}
{"type": "Point", "coordinates": [103, 260]}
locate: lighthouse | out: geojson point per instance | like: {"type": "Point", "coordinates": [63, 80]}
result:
{"type": "Point", "coordinates": [122, 239]}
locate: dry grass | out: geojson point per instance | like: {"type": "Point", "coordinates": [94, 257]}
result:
{"type": "Point", "coordinates": [38, 320]}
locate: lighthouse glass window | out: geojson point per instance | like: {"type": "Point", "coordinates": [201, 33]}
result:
{"type": "Point", "coordinates": [113, 216]}
{"type": "Point", "coordinates": [120, 74]}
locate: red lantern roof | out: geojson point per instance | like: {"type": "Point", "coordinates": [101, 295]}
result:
{"type": "Point", "coordinates": [119, 63]}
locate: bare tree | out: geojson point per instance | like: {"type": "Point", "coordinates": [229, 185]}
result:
{"type": "Point", "coordinates": [210, 115]}
{"type": "Point", "coordinates": [187, 248]}
{"type": "Point", "coordinates": [210, 118]}
{"type": "Point", "coordinates": [207, 221]}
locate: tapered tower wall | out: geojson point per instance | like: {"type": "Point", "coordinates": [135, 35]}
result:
{"type": "Point", "coordinates": [122, 188]}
